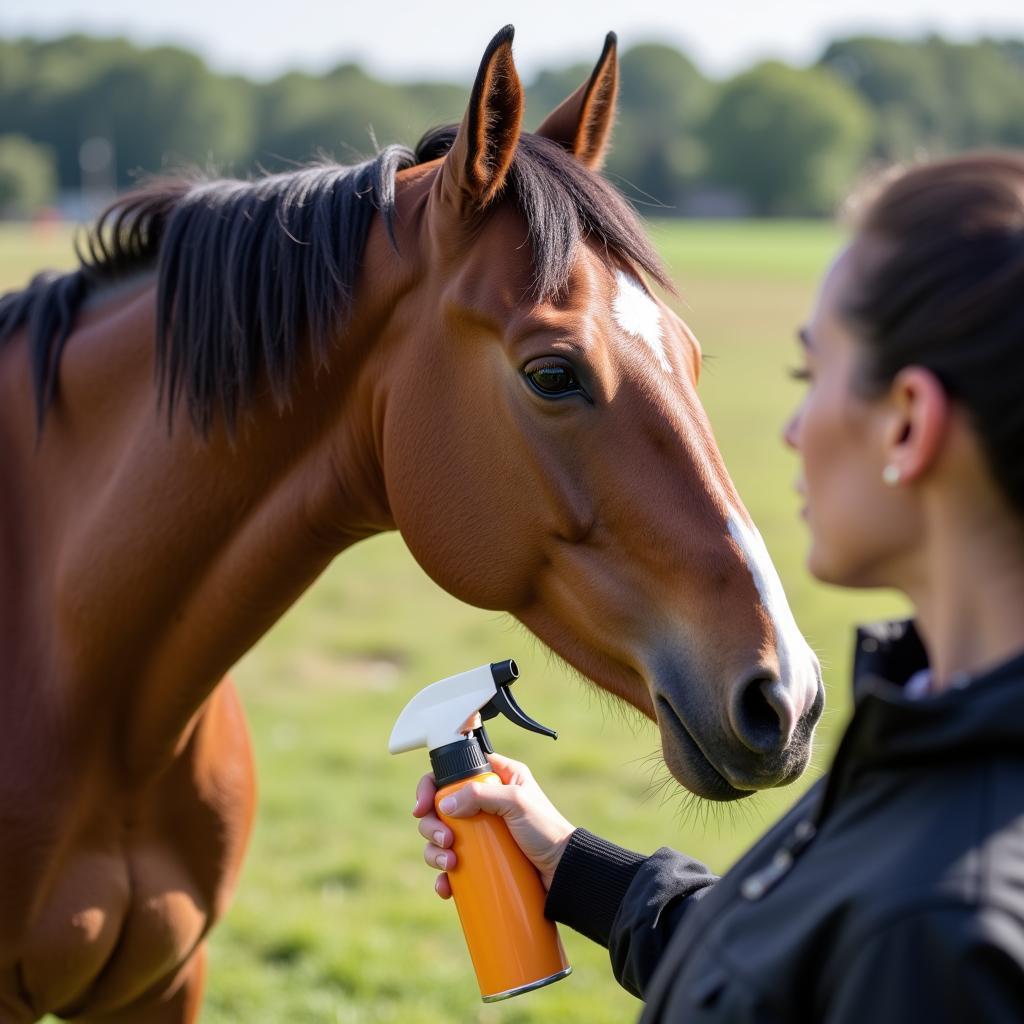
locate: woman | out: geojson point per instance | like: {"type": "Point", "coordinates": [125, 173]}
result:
{"type": "Point", "coordinates": [894, 890]}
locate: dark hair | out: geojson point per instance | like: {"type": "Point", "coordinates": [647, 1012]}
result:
{"type": "Point", "coordinates": [940, 284]}
{"type": "Point", "coordinates": [250, 271]}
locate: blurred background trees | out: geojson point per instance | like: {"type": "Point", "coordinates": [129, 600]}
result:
{"type": "Point", "coordinates": [28, 178]}
{"type": "Point", "coordinates": [789, 140]}
{"type": "Point", "coordinates": [83, 116]}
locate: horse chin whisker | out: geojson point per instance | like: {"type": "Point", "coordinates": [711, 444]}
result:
{"type": "Point", "coordinates": [692, 812]}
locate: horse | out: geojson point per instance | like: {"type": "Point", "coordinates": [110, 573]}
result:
{"type": "Point", "coordinates": [244, 378]}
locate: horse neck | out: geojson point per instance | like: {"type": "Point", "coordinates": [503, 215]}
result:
{"type": "Point", "coordinates": [153, 559]}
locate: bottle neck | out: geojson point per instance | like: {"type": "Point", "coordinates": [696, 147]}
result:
{"type": "Point", "coordinates": [459, 760]}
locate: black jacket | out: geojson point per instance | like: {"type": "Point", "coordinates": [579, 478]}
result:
{"type": "Point", "coordinates": [893, 891]}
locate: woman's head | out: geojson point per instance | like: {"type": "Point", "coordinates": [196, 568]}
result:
{"type": "Point", "coordinates": [916, 353]}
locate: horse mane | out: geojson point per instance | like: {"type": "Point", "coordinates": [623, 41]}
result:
{"type": "Point", "coordinates": [249, 271]}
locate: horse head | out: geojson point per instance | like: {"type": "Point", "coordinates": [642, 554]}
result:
{"type": "Point", "coordinates": [545, 451]}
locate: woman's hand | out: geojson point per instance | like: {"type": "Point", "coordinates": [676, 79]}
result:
{"type": "Point", "coordinates": [539, 830]}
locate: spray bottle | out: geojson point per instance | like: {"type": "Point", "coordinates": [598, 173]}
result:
{"type": "Point", "coordinates": [498, 892]}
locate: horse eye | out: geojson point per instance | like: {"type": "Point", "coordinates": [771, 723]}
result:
{"type": "Point", "coordinates": [554, 380]}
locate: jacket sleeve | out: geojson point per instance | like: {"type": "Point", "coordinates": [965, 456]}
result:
{"type": "Point", "coordinates": [627, 902]}
{"type": "Point", "coordinates": [944, 966]}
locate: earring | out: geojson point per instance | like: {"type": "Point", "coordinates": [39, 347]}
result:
{"type": "Point", "coordinates": [891, 475]}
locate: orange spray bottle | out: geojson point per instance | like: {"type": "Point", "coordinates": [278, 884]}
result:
{"type": "Point", "coordinates": [498, 892]}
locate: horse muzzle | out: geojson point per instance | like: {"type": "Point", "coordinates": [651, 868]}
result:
{"type": "Point", "coordinates": [758, 737]}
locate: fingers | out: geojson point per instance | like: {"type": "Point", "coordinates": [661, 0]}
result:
{"type": "Point", "coordinates": [475, 797]}
{"type": "Point", "coordinates": [507, 800]}
{"type": "Point", "coordinates": [425, 791]}
{"type": "Point", "coordinates": [510, 772]}
{"type": "Point", "coordinates": [435, 857]}
{"type": "Point", "coordinates": [433, 828]}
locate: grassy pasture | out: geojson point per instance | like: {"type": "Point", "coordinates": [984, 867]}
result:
{"type": "Point", "coordinates": [336, 920]}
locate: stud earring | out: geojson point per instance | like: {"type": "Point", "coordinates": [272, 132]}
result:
{"type": "Point", "coordinates": [891, 475]}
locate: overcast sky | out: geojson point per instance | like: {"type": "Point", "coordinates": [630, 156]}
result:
{"type": "Point", "coordinates": [406, 39]}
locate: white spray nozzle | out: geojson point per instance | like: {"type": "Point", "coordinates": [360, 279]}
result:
{"type": "Point", "coordinates": [439, 713]}
{"type": "Point", "coordinates": [436, 714]}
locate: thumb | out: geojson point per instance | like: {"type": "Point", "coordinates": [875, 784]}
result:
{"type": "Point", "coordinates": [479, 796]}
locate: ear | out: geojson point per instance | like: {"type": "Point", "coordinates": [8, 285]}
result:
{"type": "Point", "coordinates": [920, 420]}
{"type": "Point", "coordinates": [582, 124]}
{"type": "Point", "coordinates": [478, 163]}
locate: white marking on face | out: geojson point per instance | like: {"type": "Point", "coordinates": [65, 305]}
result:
{"type": "Point", "coordinates": [797, 662]}
{"type": "Point", "coordinates": [638, 314]}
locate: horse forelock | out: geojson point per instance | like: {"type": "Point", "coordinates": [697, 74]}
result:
{"type": "Point", "coordinates": [250, 271]}
{"type": "Point", "coordinates": [563, 203]}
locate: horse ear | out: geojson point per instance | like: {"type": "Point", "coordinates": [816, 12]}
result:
{"type": "Point", "coordinates": [478, 163]}
{"type": "Point", "coordinates": [582, 124]}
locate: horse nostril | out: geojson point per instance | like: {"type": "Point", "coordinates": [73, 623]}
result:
{"type": "Point", "coordinates": [762, 714]}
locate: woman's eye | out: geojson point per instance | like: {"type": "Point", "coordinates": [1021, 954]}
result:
{"type": "Point", "coordinates": [554, 380]}
{"type": "Point", "coordinates": [800, 373]}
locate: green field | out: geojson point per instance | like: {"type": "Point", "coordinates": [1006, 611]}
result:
{"type": "Point", "coordinates": [336, 919]}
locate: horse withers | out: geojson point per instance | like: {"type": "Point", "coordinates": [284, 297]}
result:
{"type": "Point", "coordinates": [457, 342]}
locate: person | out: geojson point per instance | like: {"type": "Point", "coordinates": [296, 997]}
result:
{"type": "Point", "coordinates": [894, 889]}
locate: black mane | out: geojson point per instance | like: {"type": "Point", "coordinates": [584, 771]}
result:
{"type": "Point", "coordinates": [250, 271]}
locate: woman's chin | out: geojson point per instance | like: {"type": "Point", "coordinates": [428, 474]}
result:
{"type": "Point", "coordinates": [837, 574]}
{"type": "Point", "coordinates": [821, 567]}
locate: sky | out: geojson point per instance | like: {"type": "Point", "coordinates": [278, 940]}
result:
{"type": "Point", "coordinates": [413, 39]}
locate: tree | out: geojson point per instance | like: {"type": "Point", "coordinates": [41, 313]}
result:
{"type": "Point", "coordinates": [156, 106]}
{"type": "Point", "coordinates": [934, 96]}
{"type": "Point", "coordinates": [341, 114]}
{"type": "Point", "coordinates": [658, 148]}
{"type": "Point", "coordinates": [656, 151]}
{"type": "Point", "coordinates": [28, 180]}
{"type": "Point", "coordinates": [902, 82]}
{"type": "Point", "coordinates": [162, 108]}
{"type": "Point", "coordinates": [984, 88]}
{"type": "Point", "coordinates": [790, 140]}
{"type": "Point", "coordinates": [549, 88]}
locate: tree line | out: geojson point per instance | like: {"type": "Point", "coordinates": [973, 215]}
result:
{"type": "Point", "coordinates": [774, 140]}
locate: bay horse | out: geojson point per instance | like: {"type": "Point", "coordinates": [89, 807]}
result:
{"type": "Point", "coordinates": [241, 380]}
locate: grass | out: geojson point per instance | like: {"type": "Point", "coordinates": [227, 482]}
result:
{"type": "Point", "coordinates": [336, 920]}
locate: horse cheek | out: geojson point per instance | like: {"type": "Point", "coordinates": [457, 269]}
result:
{"type": "Point", "coordinates": [460, 512]}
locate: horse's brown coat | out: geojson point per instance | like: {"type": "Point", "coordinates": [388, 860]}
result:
{"type": "Point", "coordinates": [137, 565]}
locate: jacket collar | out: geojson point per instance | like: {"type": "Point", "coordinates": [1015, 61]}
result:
{"type": "Point", "coordinates": [887, 650]}
{"type": "Point", "coordinates": [891, 731]}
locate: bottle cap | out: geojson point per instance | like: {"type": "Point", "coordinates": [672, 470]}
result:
{"type": "Point", "coordinates": [460, 760]}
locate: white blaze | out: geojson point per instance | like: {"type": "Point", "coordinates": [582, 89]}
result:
{"type": "Point", "coordinates": [638, 314]}
{"type": "Point", "coordinates": [796, 660]}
